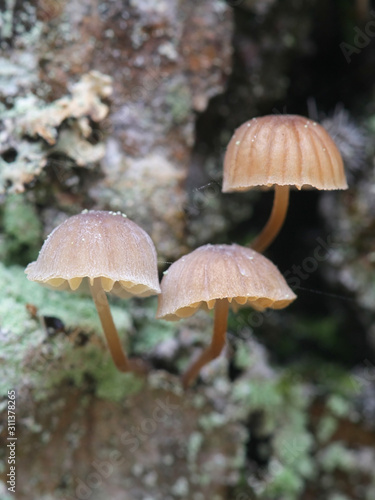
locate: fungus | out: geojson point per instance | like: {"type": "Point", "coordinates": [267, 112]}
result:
{"type": "Point", "coordinates": [217, 277]}
{"type": "Point", "coordinates": [281, 151]}
{"type": "Point", "coordinates": [109, 253]}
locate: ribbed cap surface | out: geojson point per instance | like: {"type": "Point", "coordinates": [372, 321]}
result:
{"type": "Point", "coordinates": [283, 150]}
{"type": "Point", "coordinates": [213, 272]}
{"type": "Point", "coordinates": [98, 244]}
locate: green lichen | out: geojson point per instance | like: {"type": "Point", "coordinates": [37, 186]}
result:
{"type": "Point", "coordinates": [284, 484]}
{"type": "Point", "coordinates": [16, 76]}
{"type": "Point", "coordinates": [243, 356]}
{"type": "Point", "coordinates": [26, 344]}
{"type": "Point", "coordinates": [193, 448]}
{"type": "Point", "coordinates": [336, 456]}
{"type": "Point", "coordinates": [181, 487]}
{"type": "Point", "coordinates": [338, 405]}
{"type": "Point", "coordinates": [4, 495]}
{"type": "Point", "coordinates": [31, 117]}
{"type": "Point", "coordinates": [370, 493]}
{"type": "Point", "coordinates": [80, 365]}
{"type": "Point", "coordinates": [116, 386]}
{"type": "Point", "coordinates": [338, 496]}
{"type": "Point", "coordinates": [371, 124]}
{"type": "Point", "coordinates": [150, 331]}
{"type": "Point", "coordinates": [22, 230]}
{"type": "Point", "coordinates": [212, 420]}
{"type": "Point", "coordinates": [326, 428]}
{"type": "Point", "coordinates": [284, 404]}
{"type": "Point", "coordinates": [179, 102]}
{"type": "Point", "coordinates": [6, 18]}
{"type": "Point", "coordinates": [258, 394]}
{"type": "Point", "coordinates": [328, 377]}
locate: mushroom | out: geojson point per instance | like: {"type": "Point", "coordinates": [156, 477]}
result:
{"type": "Point", "coordinates": [281, 151]}
{"type": "Point", "coordinates": [217, 277]}
{"type": "Point", "coordinates": [108, 252]}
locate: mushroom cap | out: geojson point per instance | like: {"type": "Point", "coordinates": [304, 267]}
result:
{"type": "Point", "coordinates": [283, 150]}
{"type": "Point", "coordinates": [98, 244]}
{"type": "Point", "coordinates": [211, 272]}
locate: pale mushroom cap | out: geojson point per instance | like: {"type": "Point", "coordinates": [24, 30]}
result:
{"type": "Point", "coordinates": [212, 272]}
{"type": "Point", "coordinates": [283, 150]}
{"type": "Point", "coordinates": [98, 244]}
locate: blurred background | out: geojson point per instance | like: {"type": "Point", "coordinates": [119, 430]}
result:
{"type": "Point", "coordinates": [128, 106]}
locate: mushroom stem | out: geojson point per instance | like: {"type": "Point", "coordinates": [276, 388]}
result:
{"type": "Point", "coordinates": [275, 221]}
{"type": "Point", "coordinates": [216, 346]}
{"type": "Point", "coordinates": [101, 303]}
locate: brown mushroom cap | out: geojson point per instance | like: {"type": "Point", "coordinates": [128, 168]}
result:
{"type": "Point", "coordinates": [213, 272]}
{"type": "Point", "coordinates": [98, 244]}
{"type": "Point", "coordinates": [282, 150]}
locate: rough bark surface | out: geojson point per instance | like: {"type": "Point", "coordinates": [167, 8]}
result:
{"type": "Point", "coordinates": [128, 105]}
